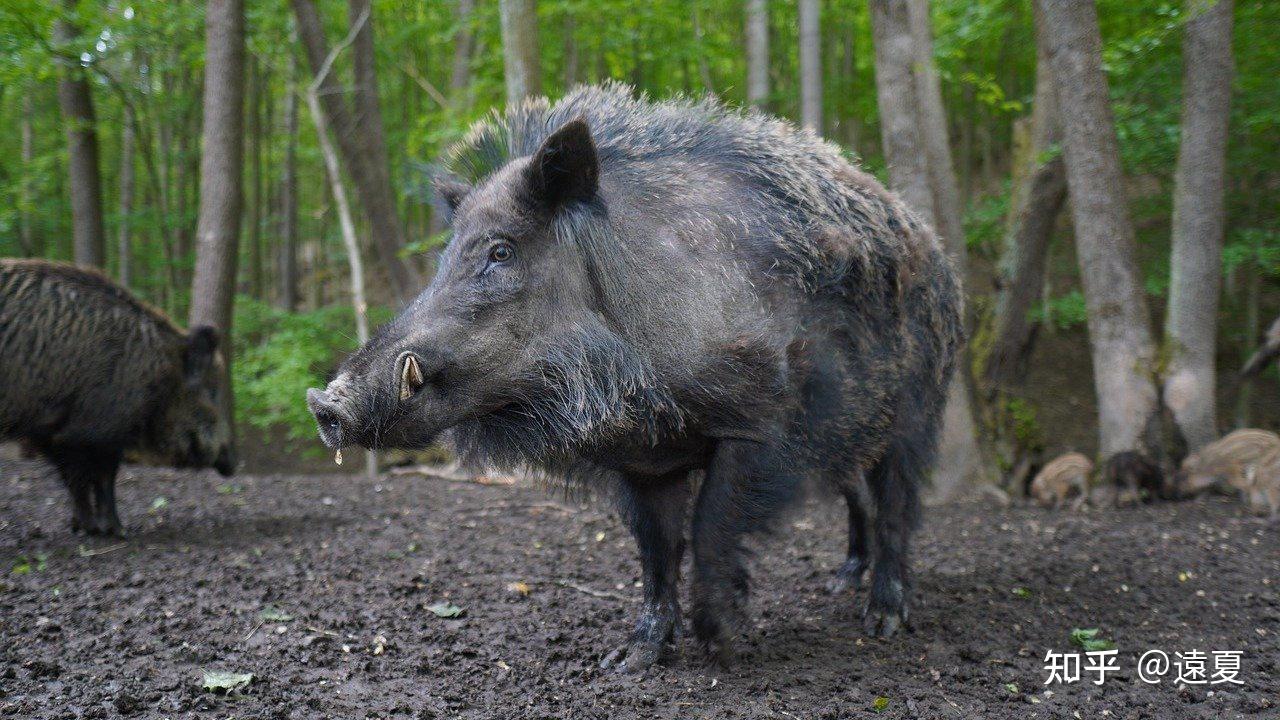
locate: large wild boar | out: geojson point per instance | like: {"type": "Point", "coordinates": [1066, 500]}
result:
{"type": "Point", "coordinates": [637, 291]}
{"type": "Point", "coordinates": [87, 372]}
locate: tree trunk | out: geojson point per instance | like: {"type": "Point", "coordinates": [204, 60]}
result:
{"type": "Point", "coordinates": [360, 144]}
{"type": "Point", "coordinates": [934, 133]}
{"type": "Point", "coordinates": [221, 168]}
{"type": "Point", "coordinates": [253, 110]}
{"type": "Point", "coordinates": [959, 457]}
{"type": "Point", "coordinates": [463, 47]}
{"type": "Point", "coordinates": [26, 229]}
{"type": "Point", "coordinates": [85, 179]}
{"type": "Point", "coordinates": [288, 271]}
{"type": "Point", "coordinates": [811, 65]}
{"type": "Point", "coordinates": [1198, 221]}
{"type": "Point", "coordinates": [704, 69]}
{"type": "Point", "coordinates": [520, 49]}
{"type": "Point", "coordinates": [124, 248]}
{"type": "Point", "coordinates": [1119, 326]}
{"type": "Point", "coordinates": [757, 33]}
{"type": "Point", "coordinates": [1039, 194]}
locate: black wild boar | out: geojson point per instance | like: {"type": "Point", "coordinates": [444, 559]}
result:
{"type": "Point", "coordinates": [1134, 478]}
{"type": "Point", "coordinates": [636, 291]}
{"type": "Point", "coordinates": [87, 372]}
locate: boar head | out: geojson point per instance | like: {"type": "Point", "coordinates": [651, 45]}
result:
{"type": "Point", "coordinates": [508, 346]}
{"type": "Point", "coordinates": [194, 427]}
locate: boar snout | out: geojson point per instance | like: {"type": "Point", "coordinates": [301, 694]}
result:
{"type": "Point", "coordinates": [330, 418]}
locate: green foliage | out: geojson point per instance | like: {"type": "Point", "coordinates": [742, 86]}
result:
{"type": "Point", "coordinates": [1065, 311]}
{"type": "Point", "coordinates": [278, 355]}
{"type": "Point", "coordinates": [1253, 245]}
{"type": "Point", "coordinates": [984, 223]}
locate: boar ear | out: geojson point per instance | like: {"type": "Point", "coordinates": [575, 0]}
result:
{"type": "Point", "coordinates": [565, 168]}
{"type": "Point", "coordinates": [449, 194]}
{"type": "Point", "coordinates": [197, 357]}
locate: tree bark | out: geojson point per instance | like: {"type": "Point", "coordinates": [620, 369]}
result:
{"type": "Point", "coordinates": [1039, 194]}
{"type": "Point", "coordinates": [936, 136]}
{"type": "Point", "coordinates": [1119, 326]}
{"type": "Point", "coordinates": [960, 458]}
{"type": "Point", "coordinates": [85, 179]}
{"type": "Point", "coordinates": [361, 146]}
{"type": "Point", "coordinates": [221, 168]}
{"type": "Point", "coordinates": [26, 228]}
{"type": "Point", "coordinates": [254, 111]}
{"type": "Point", "coordinates": [1198, 221]}
{"type": "Point", "coordinates": [463, 47]}
{"type": "Point", "coordinates": [757, 33]}
{"type": "Point", "coordinates": [287, 297]}
{"type": "Point", "coordinates": [521, 65]}
{"type": "Point", "coordinates": [124, 247]}
{"type": "Point", "coordinates": [811, 65]}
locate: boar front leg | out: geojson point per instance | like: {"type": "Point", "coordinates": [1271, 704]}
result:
{"type": "Point", "coordinates": [75, 467]}
{"type": "Point", "coordinates": [654, 510]}
{"type": "Point", "coordinates": [849, 575]}
{"type": "Point", "coordinates": [106, 519]}
{"type": "Point", "coordinates": [747, 484]}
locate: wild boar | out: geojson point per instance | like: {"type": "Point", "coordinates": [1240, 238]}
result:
{"type": "Point", "coordinates": [636, 292]}
{"type": "Point", "coordinates": [1134, 478]}
{"type": "Point", "coordinates": [1243, 460]}
{"type": "Point", "coordinates": [88, 371]}
{"type": "Point", "coordinates": [1065, 476]}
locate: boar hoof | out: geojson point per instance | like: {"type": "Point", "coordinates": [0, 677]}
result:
{"type": "Point", "coordinates": [632, 658]}
{"type": "Point", "coordinates": [848, 577]}
{"type": "Point", "coordinates": [886, 611]}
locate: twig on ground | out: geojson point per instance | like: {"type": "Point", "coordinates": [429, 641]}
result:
{"type": "Point", "coordinates": [593, 592]}
{"type": "Point", "coordinates": [102, 551]}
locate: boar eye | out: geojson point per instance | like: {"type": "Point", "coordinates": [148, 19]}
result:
{"type": "Point", "coordinates": [501, 253]}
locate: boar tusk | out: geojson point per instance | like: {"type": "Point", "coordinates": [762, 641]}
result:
{"type": "Point", "coordinates": [410, 377]}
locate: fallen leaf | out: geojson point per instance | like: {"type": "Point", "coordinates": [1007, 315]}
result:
{"type": "Point", "coordinates": [218, 681]}
{"type": "Point", "coordinates": [1011, 687]}
{"type": "Point", "coordinates": [446, 610]}
{"type": "Point", "coordinates": [1089, 640]}
{"type": "Point", "coordinates": [159, 503]}
{"type": "Point", "coordinates": [521, 588]}
{"type": "Point", "coordinates": [271, 613]}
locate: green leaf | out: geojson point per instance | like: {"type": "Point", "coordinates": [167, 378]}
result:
{"type": "Point", "coordinates": [1011, 687]}
{"type": "Point", "coordinates": [1021, 592]}
{"type": "Point", "coordinates": [446, 610]}
{"type": "Point", "coordinates": [271, 613]}
{"type": "Point", "coordinates": [880, 703]}
{"type": "Point", "coordinates": [27, 564]}
{"type": "Point", "coordinates": [159, 504]}
{"type": "Point", "coordinates": [219, 681]}
{"type": "Point", "coordinates": [1089, 640]}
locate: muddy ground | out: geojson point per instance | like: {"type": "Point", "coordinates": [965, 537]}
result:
{"type": "Point", "coordinates": [346, 568]}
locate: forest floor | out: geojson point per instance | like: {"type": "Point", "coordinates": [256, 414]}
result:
{"type": "Point", "coordinates": [320, 587]}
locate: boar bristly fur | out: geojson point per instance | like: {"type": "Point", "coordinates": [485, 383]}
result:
{"type": "Point", "coordinates": [88, 372]}
{"type": "Point", "coordinates": [639, 293]}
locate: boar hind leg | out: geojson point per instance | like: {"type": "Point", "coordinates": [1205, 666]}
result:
{"type": "Point", "coordinates": [895, 483]}
{"type": "Point", "coordinates": [747, 484]}
{"type": "Point", "coordinates": [654, 510]}
{"type": "Point", "coordinates": [849, 575]}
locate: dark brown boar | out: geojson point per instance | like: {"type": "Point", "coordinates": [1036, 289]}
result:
{"type": "Point", "coordinates": [88, 372]}
{"type": "Point", "coordinates": [1135, 478]}
{"type": "Point", "coordinates": [640, 293]}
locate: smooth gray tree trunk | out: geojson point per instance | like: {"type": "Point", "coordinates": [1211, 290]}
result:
{"type": "Point", "coordinates": [124, 246]}
{"type": "Point", "coordinates": [221, 168]}
{"type": "Point", "coordinates": [362, 146]}
{"type": "Point", "coordinates": [75, 97]}
{"type": "Point", "coordinates": [1199, 218]}
{"type": "Point", "coordinates": [287, 297]}
{"type": "Point", "coordinates": [1119, 326]}
{"type": "Point", "coordinates": [26, 229]}
{"type": "Point", "coordinates": [463, 47]}
{"type": "Point", "coordinates": [757, 35]}
{"type": "Point", "coordinates": [811, 65]}
{"type": "Point", "coordinates": [521, 66]}
{"type": "Point", "coordinates": [933, 131]}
